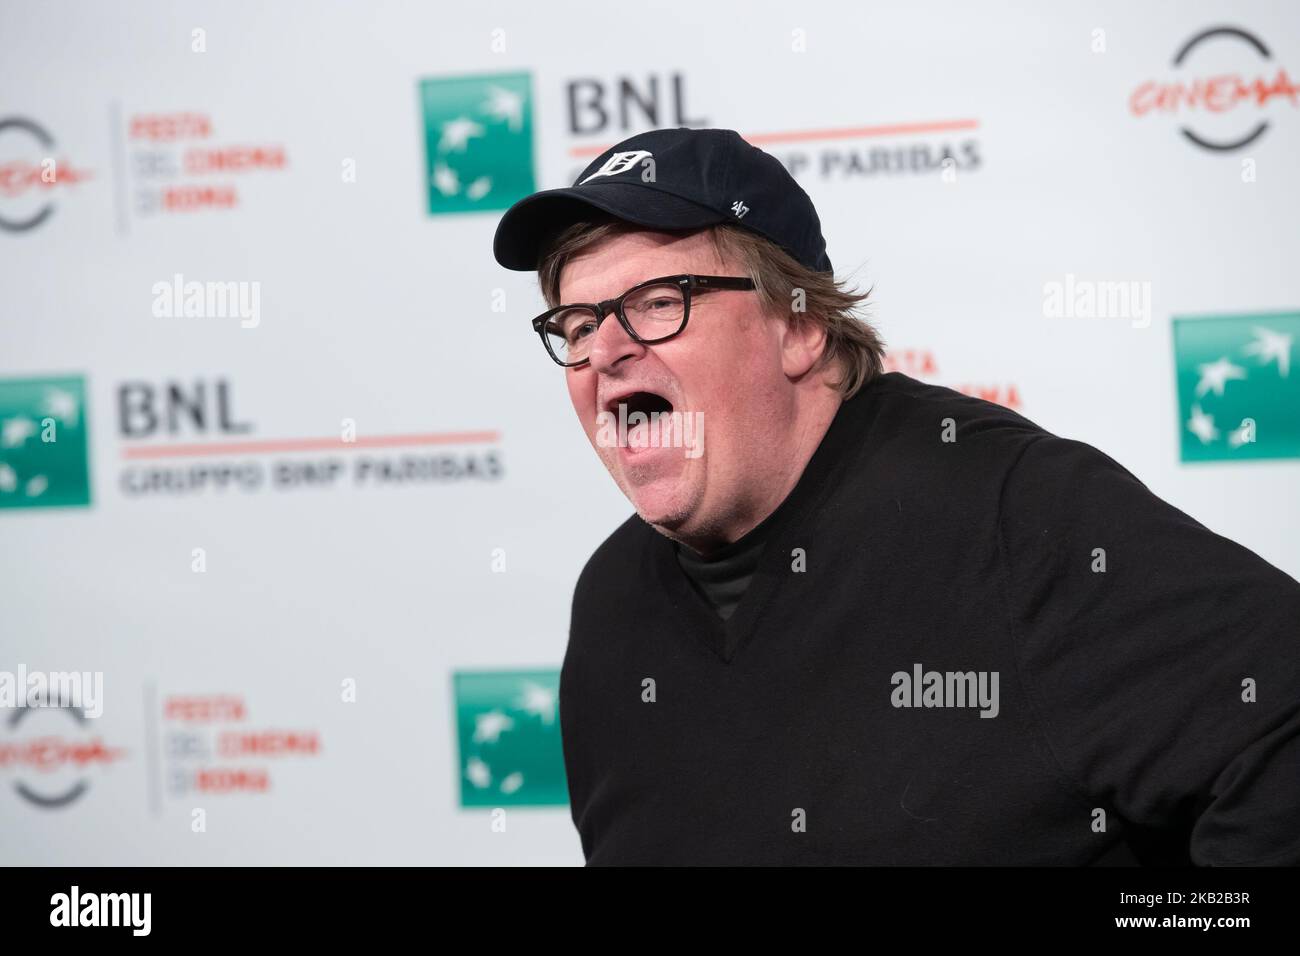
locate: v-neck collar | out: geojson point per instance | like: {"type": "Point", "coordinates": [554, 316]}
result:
{"type": "Point", "coordinates": [727, 637]}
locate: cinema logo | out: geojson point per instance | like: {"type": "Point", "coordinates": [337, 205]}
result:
{"type": "Point", "coordinates": [208, 748]}
{"type": "Point", "coordinates": [922, 688]}
{"type": "Point", "coordinates": [655, 428]}
{"type": "Point", "coordinates": [29, 173]}
{"type": "Point", "coordinates": [52, 755]}
{"type": "Point", "coordinates": [76, 908]}
{"type": "Point", "coordinates": [176, 164]}
{"type": "Point", "coordinates": [1234, 77]}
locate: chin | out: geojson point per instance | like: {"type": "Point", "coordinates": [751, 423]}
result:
{"type": "Point", "coordinates": [664, 504]}
{"type": "Point", "coordinates": [665, 495]}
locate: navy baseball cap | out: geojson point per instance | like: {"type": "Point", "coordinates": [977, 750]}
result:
{"type": "Point", "coordinates": [670, 179]}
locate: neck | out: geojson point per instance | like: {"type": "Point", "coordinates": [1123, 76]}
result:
{"type": "Point", "coordinates": [815, 409]}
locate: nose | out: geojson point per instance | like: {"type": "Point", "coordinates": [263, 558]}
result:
{"type": "Point", "coordinates": [612, 345]}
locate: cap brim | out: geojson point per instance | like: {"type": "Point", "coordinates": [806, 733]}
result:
{"type": "Point", "coordinates": [533, 221]}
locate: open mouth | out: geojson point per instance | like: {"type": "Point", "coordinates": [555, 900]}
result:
{"type": "Point", "coordinates": [646, 402]}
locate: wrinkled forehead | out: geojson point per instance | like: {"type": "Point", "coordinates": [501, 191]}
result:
{"type": "Point", "coordinates": [615, 263]}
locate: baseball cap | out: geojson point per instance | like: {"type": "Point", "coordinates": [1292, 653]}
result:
{"type": "Point", "coordinates": [672, 179]}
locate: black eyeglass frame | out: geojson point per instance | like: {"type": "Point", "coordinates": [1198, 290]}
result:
{"type": "Point", "coordinates": [689, 283]}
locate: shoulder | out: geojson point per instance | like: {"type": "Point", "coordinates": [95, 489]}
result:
{"type": "Point", "coordinates": [908, 405]}
{"type": "Point", "coordinates": [940, 437]}
{"type": "Point", "coordinates": [615, 561]}
{"type": "Point", "coordinates": [969, 464]}
{"type": "Point", "coordinates": [1031, 470]}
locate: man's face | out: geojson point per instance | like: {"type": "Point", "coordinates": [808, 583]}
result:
{"type": "Point", "coordinates": [725, 365]}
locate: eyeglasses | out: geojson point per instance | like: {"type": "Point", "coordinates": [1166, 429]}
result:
{"type": "Point", "coordinates": [650, 312]}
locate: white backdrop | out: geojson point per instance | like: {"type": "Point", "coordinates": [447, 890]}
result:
{"type": "Point", "coordinates": [337, 613]}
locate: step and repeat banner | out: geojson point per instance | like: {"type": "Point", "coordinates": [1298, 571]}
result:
{"type": "Point", "coordinates": [292, 502]}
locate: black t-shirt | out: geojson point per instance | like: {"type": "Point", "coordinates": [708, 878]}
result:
{"type": "Point", "coordinates": [966, 641]}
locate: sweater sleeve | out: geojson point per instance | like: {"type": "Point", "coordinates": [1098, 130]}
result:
{"type": "Point", "coordinates": [1161, 660]}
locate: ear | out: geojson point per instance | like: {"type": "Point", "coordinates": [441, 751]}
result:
{"type": "Point", "coordinates": [802, 343]}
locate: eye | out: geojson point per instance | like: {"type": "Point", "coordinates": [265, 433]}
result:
{"type": "Point", "coordinates": [657, 301]}
{"type": "Point", "coordinates": [581, 330]}
{"type": "Point", "coordinates": [572, 326]}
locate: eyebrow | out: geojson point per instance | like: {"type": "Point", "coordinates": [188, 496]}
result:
{"type": "Point", "coordinates": [618, 293]}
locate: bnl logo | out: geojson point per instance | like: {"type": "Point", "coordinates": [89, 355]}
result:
{"type": "Point", "coordinates": [1238, 380]}
{"type": "Point", "coordinates": [146, 410]}
{"type": "Point", "coordinates": [43, 443]}
{"type": "Point", "coordinates": [478, 130]}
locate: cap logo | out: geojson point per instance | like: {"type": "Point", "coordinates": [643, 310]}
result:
{"type": "Point", "coordinates": [739, 208]}
{"type": "Point", "coordinates": [619, 163]}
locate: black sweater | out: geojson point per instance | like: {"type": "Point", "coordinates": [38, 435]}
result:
{"type": "Point", "coordinates": [1091, 715]}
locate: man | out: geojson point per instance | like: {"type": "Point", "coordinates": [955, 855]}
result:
{"type": "Point", "coordinates": [861, 619]}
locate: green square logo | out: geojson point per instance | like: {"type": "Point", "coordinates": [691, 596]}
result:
{"type": "Point", "coordinates": [1238, 394]}
{"type": "Point", "coordinates": [508, 730]}
{"type": "Point", "coordinates": [478, 141]}
{"type": "Point", "coordinates": [43, 459]}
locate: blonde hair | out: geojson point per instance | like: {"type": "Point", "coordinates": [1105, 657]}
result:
{"type": "Point", "coordinates": [852, 346]}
